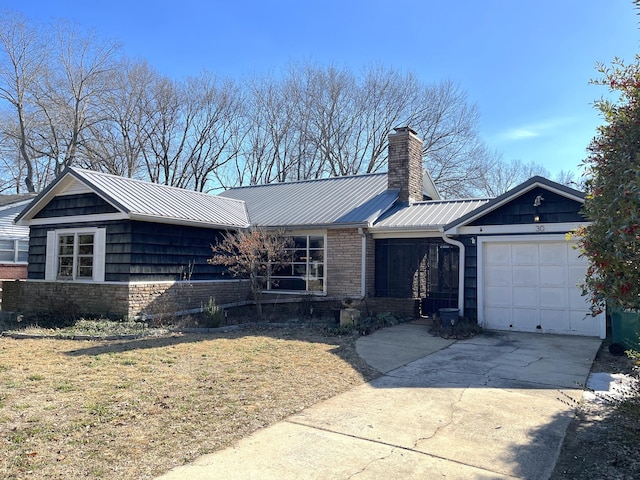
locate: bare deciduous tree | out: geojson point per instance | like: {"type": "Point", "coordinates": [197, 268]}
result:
{"type": "Point", "coordinates": [115, 145]}
{"type": "Point", "coordinates": [72, 100]}
{"type": "Point", "coordinates": [23, 55]}
{"type": "Point", "coordinates": [252, 254]}
{"type": "Point", "coordinates": [70, 96]}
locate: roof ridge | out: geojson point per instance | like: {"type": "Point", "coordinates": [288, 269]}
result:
{"type": "Point", "coordinates": [453, 200]}
{"type": "Point", "coordinates": [310, 180]}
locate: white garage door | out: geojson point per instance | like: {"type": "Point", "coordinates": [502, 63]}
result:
{"type": "Point", "coordinates": [529, 284]}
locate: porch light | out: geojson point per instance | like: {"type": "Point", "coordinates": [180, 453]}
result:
{"type": "Point", "coordinates": [536, 204]}
{"type": "Point", "coordinates": [538, 201]}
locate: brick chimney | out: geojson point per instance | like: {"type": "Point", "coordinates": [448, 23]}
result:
{"type": "Point", "coordinates": [405, 164]}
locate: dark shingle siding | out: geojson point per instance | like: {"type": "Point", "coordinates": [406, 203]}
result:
{"type": "Point", "coordinates": [554, 209]}
{"type": "Point", "coordinates": [80, 204]}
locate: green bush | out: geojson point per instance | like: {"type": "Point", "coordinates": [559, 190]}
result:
{"type": "Point", "coordinates": [213, 314]}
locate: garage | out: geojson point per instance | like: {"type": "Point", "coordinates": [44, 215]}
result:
{"type": "Point", "coordinates": [528, 283]}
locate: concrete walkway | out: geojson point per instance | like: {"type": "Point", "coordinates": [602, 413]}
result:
{"type": "Point", "coordinates": [483, 408]}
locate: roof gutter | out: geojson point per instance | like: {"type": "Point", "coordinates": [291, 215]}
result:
{"type": "Point", "coordinates": [461, 266]}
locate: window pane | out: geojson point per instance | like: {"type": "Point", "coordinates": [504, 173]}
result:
{"type": "Point", "coordinates": [288, 284]}
{"type": "Point", "coordinates": [300, 269]}
{"type": "Point", "coordinates": [85, 249]}
{"type": "Point", "coordinates": [316, 270]}
{"type": "Point", "coordinates": [23, 250]}
{"type": "Point", "coordinates": [316, 242]}
{"type": "Point", "coordinates": [85, 272]}
{"type": "Point", "coordinates": [6, 256]}
{"type": "Point", "coordinates": [6, 245]}
{"type": "Point", "coordinates": [316, 285]}
{"type": "Point", "coordinates": [300, 256]}
{"type": "Point", "coordinates": [300, 242]}
{"type": "Point", "coordinates": [86, 239]}
{"type": "Point", "coordinates": [65, 267]}
{"type": "Point", "coordinates": [316, 255]}
{"type": "Point", "coordinates": [282, 270]}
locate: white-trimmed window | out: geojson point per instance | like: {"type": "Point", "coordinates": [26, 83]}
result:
{"type": "Point", "coordinates": [14, 251]}
{"type": "Point", "coordinates": [306, 269]}
{"type": "Point", "coordinates": [76, 255]}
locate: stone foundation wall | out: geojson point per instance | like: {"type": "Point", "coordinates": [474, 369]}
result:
{"type": "Point", "coordinates": [119, 299]}
{"type": "Point", "coordinates": [163, 298]}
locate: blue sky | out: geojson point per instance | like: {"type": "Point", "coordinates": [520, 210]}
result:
{"type": "Point", "coordinates": [526, 64]}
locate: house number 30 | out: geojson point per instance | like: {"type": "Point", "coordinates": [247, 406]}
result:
{"type": "Point", "coordinates": [539, 228]}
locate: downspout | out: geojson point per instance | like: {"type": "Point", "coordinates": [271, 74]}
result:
{"type": "Point", "coordinates": [461, 264]}
{"type": "Point", "coordinates": [363, 260]}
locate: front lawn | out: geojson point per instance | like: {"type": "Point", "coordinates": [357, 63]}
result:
{"type": "Point", "coordinates": [134, 409]}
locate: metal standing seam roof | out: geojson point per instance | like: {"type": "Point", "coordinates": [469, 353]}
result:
{"type": "Point", "coordinates": [427, 215]}
{"type": "Point", "coordinates": [353, 200]}
{"type": "Point", "coordinates": [141, 200]}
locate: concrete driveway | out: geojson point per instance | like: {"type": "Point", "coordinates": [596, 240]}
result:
{"type": "Point", "coordinates": [484, 408]}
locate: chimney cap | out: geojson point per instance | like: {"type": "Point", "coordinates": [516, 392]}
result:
{"type": "Point", "coordinates": [405, 130]}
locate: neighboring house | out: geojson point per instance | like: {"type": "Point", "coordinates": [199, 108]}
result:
{"type": "Point", "coordinates": [387, 237]}
{"type": "Point", "coordinates": [14, 239]}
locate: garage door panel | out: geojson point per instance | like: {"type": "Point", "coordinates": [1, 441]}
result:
{"type": "Point", "coordinates": [574, 255]}
{"type": "Point", "coordinates": [524, 254]}
{"type": "Point", "coordinates": [553, 253]}
{"type": "Point", "coordinates": [577, 301]}
{"type": "Point", "coordinates": [498, 276]}
{"type": "Point", "coordinates": [553, 275]}
{"type": "Point", "coordinates": [500, 317]}
{"type": "Point", "coordinates": [525, 275]}
{"type": "Point", "coordinates": [532, 286]}
{"type": "Point", "coordinates": [525, 297]}
{"type": "Point", "coordinates": [576, 274]}
{"type": "Point", "coordinates": [496, 254]}
{"type": "Point", "coordinates": [553, 298]}
{"type": "Point", "coordinates": [524, 319]}
{"type": "Point", "coordinates": [498, 296]}
{"type": "Point", "coordinates": [584, 323]}
{"type": "Point", "coordinates": [555, 320]}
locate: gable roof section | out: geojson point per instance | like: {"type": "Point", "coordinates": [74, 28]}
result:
{"type": "Point", "coordinates": [337, 201]}
{"type": "Point", "coordinates": [145, 201]}
{"type": "Point", "coordinates": [10, 208]}
{"type": "Point", "coordinates": [430, 215]}
{"type": "Point", "coordinates": [515, 192]}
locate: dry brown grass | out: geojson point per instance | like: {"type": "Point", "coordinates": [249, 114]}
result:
{"type": "Point", "coordinates": [135, 409]}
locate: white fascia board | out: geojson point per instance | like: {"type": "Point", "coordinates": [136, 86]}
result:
{"type": "Point", "coordinates": [183, 221]}
{"type": "Point", "coordinates": [529, 228]}
{"type": "Point", "coordinates": [101, 217]}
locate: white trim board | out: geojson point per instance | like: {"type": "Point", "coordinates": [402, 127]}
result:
{"type": "Point", "coordinates": [527, 228]}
